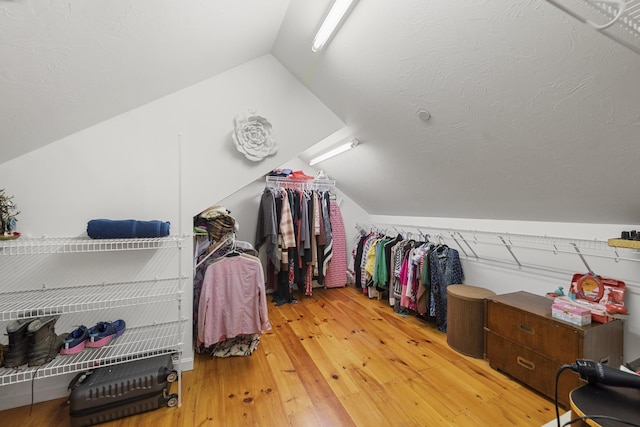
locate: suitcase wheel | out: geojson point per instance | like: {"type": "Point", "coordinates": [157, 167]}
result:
{"type": "Point", "coordinates": [172, 376]}
{"type": "Point", "coordinates": [172, 400]}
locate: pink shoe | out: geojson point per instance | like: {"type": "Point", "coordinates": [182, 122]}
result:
{"type": "Point", "coordinates": [76, 341]}
{"type": "Point", "coordinates": [103, 332]}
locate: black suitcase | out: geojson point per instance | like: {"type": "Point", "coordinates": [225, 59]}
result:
{"type": "Point", "coordinates": [118, 391]}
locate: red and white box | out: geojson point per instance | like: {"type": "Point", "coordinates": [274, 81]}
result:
{"type": "Point", "coordinates": [577, 315]}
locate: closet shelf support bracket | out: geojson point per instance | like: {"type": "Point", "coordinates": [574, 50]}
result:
{"type": "Point", "coordinates": [453, 236]}
{"type": "Point", "coordinates": [506, 245]}
{"type": "Point", "coordinates": [468, 245]}
{"type": "Point", "coordinates": [584, 261]}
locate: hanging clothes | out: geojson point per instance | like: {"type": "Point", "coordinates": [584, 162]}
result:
{"type": "Point", "coordinates": [336, 275]}
{"type": "Point", "coordinates": [294, 225]}
{"type": "Point", "coordinates": [267, 229]}
{"type": "Point", "coordinates": [286, 223]}
{"type": "Point", "coordinates": [446, 269]}
{"type": "Point", "coordinates": [416, 274]}
{"type": "Point", "coordinates": [233, 300]}
{"type": "Point", "coordinates": [211, 253]}
{"type": "Point", "coordinates": [327, 241]}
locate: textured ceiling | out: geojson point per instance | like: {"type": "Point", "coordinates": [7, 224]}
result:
{"type": "Point", "coordinates": [534, 116]}
{"type": "Point", "coordinates": [67, 65]}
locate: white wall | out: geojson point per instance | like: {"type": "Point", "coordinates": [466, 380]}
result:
{"type": "Point", "coordinates": [542, 270]}
{"type": "Point", "coordinates": [131, 166]}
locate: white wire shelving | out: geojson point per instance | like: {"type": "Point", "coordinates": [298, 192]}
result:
{"type": "Point", "coordinates": [151, 338]}
{"type": "Point", "coordinates": [69, 245]}
{"type": "Point", "coordinates": [76, 299]}
{"type": "Point", "coordinates": [320, 184]}
{"type": "Point", "coordinates": [134, 343]}
{"type": "Point", "coordinates": [515, 250]}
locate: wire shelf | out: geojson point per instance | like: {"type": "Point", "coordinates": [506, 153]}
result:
{"type": "Point", "coordinates": [135, 343]}
{"type": "Point", "coordinates": [517, 245]}
{"type": "Point", "coordinates": [67, 245]}
{"type": "Point", "coordinates": [50, 301]}
{"type": "Point", "coordinates": [474, 236]}
{"type": "Point", "coordinates": [319, 184]}
{"type": "Point", "coordinates": [96, 292]}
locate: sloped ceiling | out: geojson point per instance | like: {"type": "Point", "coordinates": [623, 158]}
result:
{"type": "Point", "coordinates": [69, 64]}
{"type": "Point", "coordinates": [534, 116]}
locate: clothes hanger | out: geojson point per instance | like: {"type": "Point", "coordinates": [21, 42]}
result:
{"type": "Point", "coordinates": [233, 252]}
{"type": "Point", "coordinates": [213, 250]}
{"type": "Point", "coordinates": [441, 245]}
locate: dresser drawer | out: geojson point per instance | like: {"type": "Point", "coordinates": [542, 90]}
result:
{"type": "Point", "coordinates": [532, 368]}
{"type": "Point", "coordinates": [520, 362]}
{"type": "Point", "coordinates": [546, 336]}
{"type": "Point", "coordinates": [523, 340]}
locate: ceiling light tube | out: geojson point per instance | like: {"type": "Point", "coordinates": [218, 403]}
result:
{"type": "Point", "coordinates": [331, 153]}
{"type": "Point", "coordinates": [330, 24]}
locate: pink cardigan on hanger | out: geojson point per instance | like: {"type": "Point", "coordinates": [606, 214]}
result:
{"type": "Point", "coordinates": [233, 300]}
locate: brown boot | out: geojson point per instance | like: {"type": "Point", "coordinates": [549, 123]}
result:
{"type": "Point", "coordinates": [44, 344]}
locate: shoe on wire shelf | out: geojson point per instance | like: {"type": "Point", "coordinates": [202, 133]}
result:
{"type": "Point", "coordinates": [76, 341]}
{"type": "Point", "coordinates": [103, 332]}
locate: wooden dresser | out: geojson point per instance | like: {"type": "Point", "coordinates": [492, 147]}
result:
{"type": "Point", "coordinates": [523, 340]}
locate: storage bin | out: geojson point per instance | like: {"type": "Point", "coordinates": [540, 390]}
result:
{"type": "Point", "coordinates": [465, 319]}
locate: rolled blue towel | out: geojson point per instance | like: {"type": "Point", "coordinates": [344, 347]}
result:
{"type": "Point", "coordinates": [126, 228]}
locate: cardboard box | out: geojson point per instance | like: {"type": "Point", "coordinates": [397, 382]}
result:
{"type": "Point", "coordinates": [580, 316]}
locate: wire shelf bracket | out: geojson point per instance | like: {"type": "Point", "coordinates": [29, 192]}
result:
{"type": "Point", "coordinates": [620, 18]}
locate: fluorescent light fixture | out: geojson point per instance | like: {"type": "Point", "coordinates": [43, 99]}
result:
{"type": "Point", "coordinates": [330, 24]}
{"type": "Point", "coordinates": [338, 150]}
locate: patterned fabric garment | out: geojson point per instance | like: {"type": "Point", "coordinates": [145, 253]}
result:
{"type": "Point", "coordinates": [308, 280]}
{"type": "Point", "coordinates": [337, 270]}
{"type": "Point", "coordinates": [446, 270]}
{"type": "Point", "coordinates": [291, 277]}
{"type": "Point", "coordinates": [286, 223]}
{"type": "Point", "coordinates": [364, 277]}
{"type": "Point", "coordinates": [328, 233]}
{"type": "Point", "coordinates": [243, 345]}
{"type": "Point", "coordinates": [217, 221]}
{"type": "Point", "coordinates": [357, 260]}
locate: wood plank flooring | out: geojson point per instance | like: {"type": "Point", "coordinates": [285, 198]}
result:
{"type": "Point", "coordinates": [337, 358]}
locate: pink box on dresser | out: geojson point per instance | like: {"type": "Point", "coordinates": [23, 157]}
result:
{"type": "Point", "coordinates": [580, 316]}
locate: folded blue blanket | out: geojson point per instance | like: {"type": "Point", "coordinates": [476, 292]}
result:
{"type": "Point", "coordinates": [126, 228]}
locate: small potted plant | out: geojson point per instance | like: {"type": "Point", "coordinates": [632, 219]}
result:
{"type": "Point", "coordinates": [8, 214]}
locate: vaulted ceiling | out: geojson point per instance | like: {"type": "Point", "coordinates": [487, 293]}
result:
{"type": "Point", "coordinates": [534, 115]}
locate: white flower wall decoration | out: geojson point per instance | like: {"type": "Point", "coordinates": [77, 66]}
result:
{"type": "Point", "coordinates": [253, 136]}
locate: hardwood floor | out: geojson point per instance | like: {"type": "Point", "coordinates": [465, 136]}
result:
{"type": "Point", "coordinates": [336, 359]}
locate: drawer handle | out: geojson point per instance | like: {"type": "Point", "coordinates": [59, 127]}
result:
{"type": "Point", "coordinates": [526, 364]}
{"type": "Point", "coordinates": [527, 329]}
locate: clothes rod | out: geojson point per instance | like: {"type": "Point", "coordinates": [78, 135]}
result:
{"type": "Point", "coordinates": [300, 184]}
{"type": "Point", "coordinates": [523, 241]}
